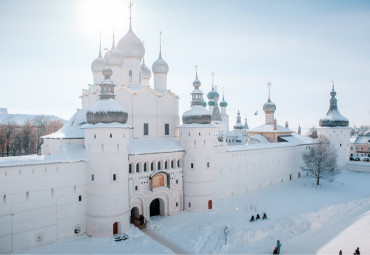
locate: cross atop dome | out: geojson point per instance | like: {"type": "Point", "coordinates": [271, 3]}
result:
{"type": "Point", "coordinates": [130, 7]}
{"type": "Point", "coordinates": [269, 87]}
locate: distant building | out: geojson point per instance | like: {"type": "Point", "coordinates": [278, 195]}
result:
{"type": "Point", "coordinates": [360, 146]}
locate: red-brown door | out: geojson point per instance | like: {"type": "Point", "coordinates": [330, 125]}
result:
{"type": "Point", "coordinates": [209, 204]}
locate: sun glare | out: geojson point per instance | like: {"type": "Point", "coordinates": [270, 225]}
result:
{"type": "Point", "coordinates": [103, 15]}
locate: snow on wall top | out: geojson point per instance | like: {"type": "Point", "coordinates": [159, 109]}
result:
{"type": "Point", "coordinates": [69, 153]}
{"type": "Point", "coordinates": [149, 145]}
{"type": "Point", "coordinates": [292, 140]}
{"type": "Point", "coordinates": [72, 129]}
{"type": "Point", "coordinates": [363, 139]}
{"type": "Point", "coordinates": [257, 138]}
{"type": "Point", "coordinates": [270, 128]}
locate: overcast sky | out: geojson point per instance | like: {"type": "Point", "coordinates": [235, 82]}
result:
{"type": "Point", "coordinates": [47, 47]}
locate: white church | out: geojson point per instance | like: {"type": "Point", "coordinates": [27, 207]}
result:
{"type": "Point", "coordinates": [125, 153]}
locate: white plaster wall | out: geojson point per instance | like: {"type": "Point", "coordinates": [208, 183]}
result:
{"type": "Point", "coordinates": [244, 171]}
{"type": "Point", "coordinates": [160, 82]}
{"type": "Point", "coordinates": [133, 64]}
{"type": "Point", "coordinates": [107, 199]}
{"type": "Point", "coordinates": [199, 179]}
{"type": "Point", "coordinates": [52, 215]}
{"type": "Point", "coordinates": [339, 137]}
{"type": "Point", "coordinates": [53, 146]}
{"type": "Point", "coordinates": [148, 107]}
{"type": "Point", "coordinates": [98, 77]}
{"type": "Point", "coordinates": [117, 75]}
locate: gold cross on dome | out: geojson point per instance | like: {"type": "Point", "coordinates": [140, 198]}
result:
{"type": "Point", "coordinates": [196, 68]}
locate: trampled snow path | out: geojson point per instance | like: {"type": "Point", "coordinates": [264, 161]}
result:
{"type": "Point", "coordinates": [164, 242]}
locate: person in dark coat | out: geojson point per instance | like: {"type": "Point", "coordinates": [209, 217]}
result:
{"type": "Point", "coordinates": [340, 252]}
{"type": "Point", "coordinates": [278, 244]}
{"type": "Point", "coordinates": [252, 218]}
{"type": "Point", "coordinates": [276, 250]}
{"type": "Point", "coordinates": [264, 217]}
{"type": "Point", "coordinates": [141, 218]}
{"type": "Point", "coordinates": [258, 217]}
{"type": "Point", "coordinates": [357, 251]}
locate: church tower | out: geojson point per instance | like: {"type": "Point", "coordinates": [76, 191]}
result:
{"type": "Point", "coordinates": [197, 135]}
{"type": "Point", "coordinates": [269, 108]}
{"type": "Point", "coordinates": [334, 126]}
{"type": "Point", "coordinates": [106, 143]}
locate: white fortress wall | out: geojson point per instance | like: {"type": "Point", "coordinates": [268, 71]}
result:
{"type": "Point", "coordinates": [242, 170]}
{"type": "Point", "coordinates": [41, 204]}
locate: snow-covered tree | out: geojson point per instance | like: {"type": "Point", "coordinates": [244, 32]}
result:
{"type": "Point", "coordinates": [320, 160]}
{"type": "Point", "coordinates": [312, 132]}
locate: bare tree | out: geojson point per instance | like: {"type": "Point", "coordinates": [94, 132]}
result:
{"type": "Point", "coordinates": [312, 132]}
{"type": "Point", "coordinates": [320, 160]}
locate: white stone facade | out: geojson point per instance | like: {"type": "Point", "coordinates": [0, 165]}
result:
{"type": "Point", "coordinates": [93, 179]}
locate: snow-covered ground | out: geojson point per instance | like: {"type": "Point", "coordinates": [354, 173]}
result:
{"type": "Point", "coordinates": [306, 219]}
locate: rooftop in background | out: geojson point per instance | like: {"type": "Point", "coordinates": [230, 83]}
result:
{"type": "Point", "coordinates": [21, 119]}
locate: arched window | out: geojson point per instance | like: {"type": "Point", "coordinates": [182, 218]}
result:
{"type": "Point", "coordinates": [130, 76]}
{"type": "Point", "coordinates": [114, 177]}
{"type": "Point", "coordinates": [165, 165]}
{"type": "Point", "coordinates": [52, 193]}
{"type": "Point", "coordinates": [152, 166]}
{"type": "Point", "coordinates": [145, 167]}
{"type": "Point", "coordinates": [178, 163]}
{"type": "Point", "coordinates": [92, 177]}
{"type": "Point", "coordinates": [130, 168]}
{"type": "Point", "coordinates": [4, 199]}
{"type": "Point", "coordinates": [172, 164]}
{"type": "Point", "coordinates": [159, 165]}
{"type": "Point", "coordinates": [137, 167]}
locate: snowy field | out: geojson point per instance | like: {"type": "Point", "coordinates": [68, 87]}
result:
{"type": "Point", "coordinates": [306, 219]}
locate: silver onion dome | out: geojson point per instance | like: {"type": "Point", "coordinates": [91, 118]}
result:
{"type": "Point", "coordinates": [269, 107]}
{"type": "Point", "coordinates": [107, 109]}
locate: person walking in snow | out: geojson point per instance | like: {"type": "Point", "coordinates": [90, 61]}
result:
{"type": "Point", "coordinates": [276, 250]}
{"type": "Point", "coordinates": [278, 244]}
{"type": "Point", "coordinates": [340, 252]}
{"type": "Point", "coordinates": [252, 218]}
{"type": "Point", "coordinates": [264, 216]}
{"type": "Point", "coordinates": [258, 217]}
{"type": "Point", "coordinates": [357, 251]}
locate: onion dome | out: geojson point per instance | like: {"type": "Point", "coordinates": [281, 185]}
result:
{"type": "Point", "coordinates": [211, 102]}
{"type": "Point", "coordinates": [238, 124]}
{"type": "Point", "coordinates": [160, 66]}
{"type": "Point", "coordinates": [145, 71]}
{"type": "Point", "coordinates": [98, 64]}
{"type": "Point", "coordinates": [114, 56]}
{"type": "Point", "coordinates": [333, 118]}
{"type": "Point", "coordinates": [107, 109]}
{"type": "Point", "coordinates": [223, 102]}
{"type": "Point", "coordinates": [269, 107]}
{"type": "Point", "coordinates": [213, 93]}
{"type": "Point", "coordinates": [204, 103]}
{"type": "Point", "coordinates": [131, 46]}
{"type": "Point", "coordinates": [197, 113]}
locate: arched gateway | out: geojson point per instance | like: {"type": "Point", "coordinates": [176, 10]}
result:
{"type": "Point", "coordinates": [157, 207]}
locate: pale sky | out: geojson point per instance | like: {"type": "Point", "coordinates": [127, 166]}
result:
{"type": "Point", "coordinates": [47, 47]}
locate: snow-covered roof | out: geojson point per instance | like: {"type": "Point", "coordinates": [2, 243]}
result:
{"type": "Point", "coordinates": [292, 140]}
{"type": "Point", "coordinates": [257, 138]}
{"type": "Point", "coordinates": [150, 145]}
{"type": "Point", "coordinates": [363, 139]}
{"type": "Point", "coordinates": [107, 105]}
{"type": "Point", "coordinates": [21, 119]}
{"type": "Point", "coordinates": [72, 129]}
{"type": "Point", "coordinates": [270, 128]}
{"type": "Point", "coordinates": [334, 118]}
{"type": "Point", "coordinates": [106, 125]}
{"type": "Point", "coordinates": [69, 153]}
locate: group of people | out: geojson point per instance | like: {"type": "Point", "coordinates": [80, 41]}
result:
{"type": "Point", "coordinates": [264, 217]}
{"type": "Point", "coordinates": [357, 252]}
{"type": "Point", "coordinates": [277, 248]}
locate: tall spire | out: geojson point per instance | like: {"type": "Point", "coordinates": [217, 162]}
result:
{"type": "Point", "coordinates": [160, 44]}
{"type": "Point", "coordinates": [99, 43]}
{"type": "Point", "coordinates": [196, 72]}
{"type": "Point", "coordinates": [269, 88]}
{"type": "Point", "coordinates": [113, 44]}
{"type": "Point", "coordinates": [213, 79]}
{"type": "Point", "coordinates": [130, 7]}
